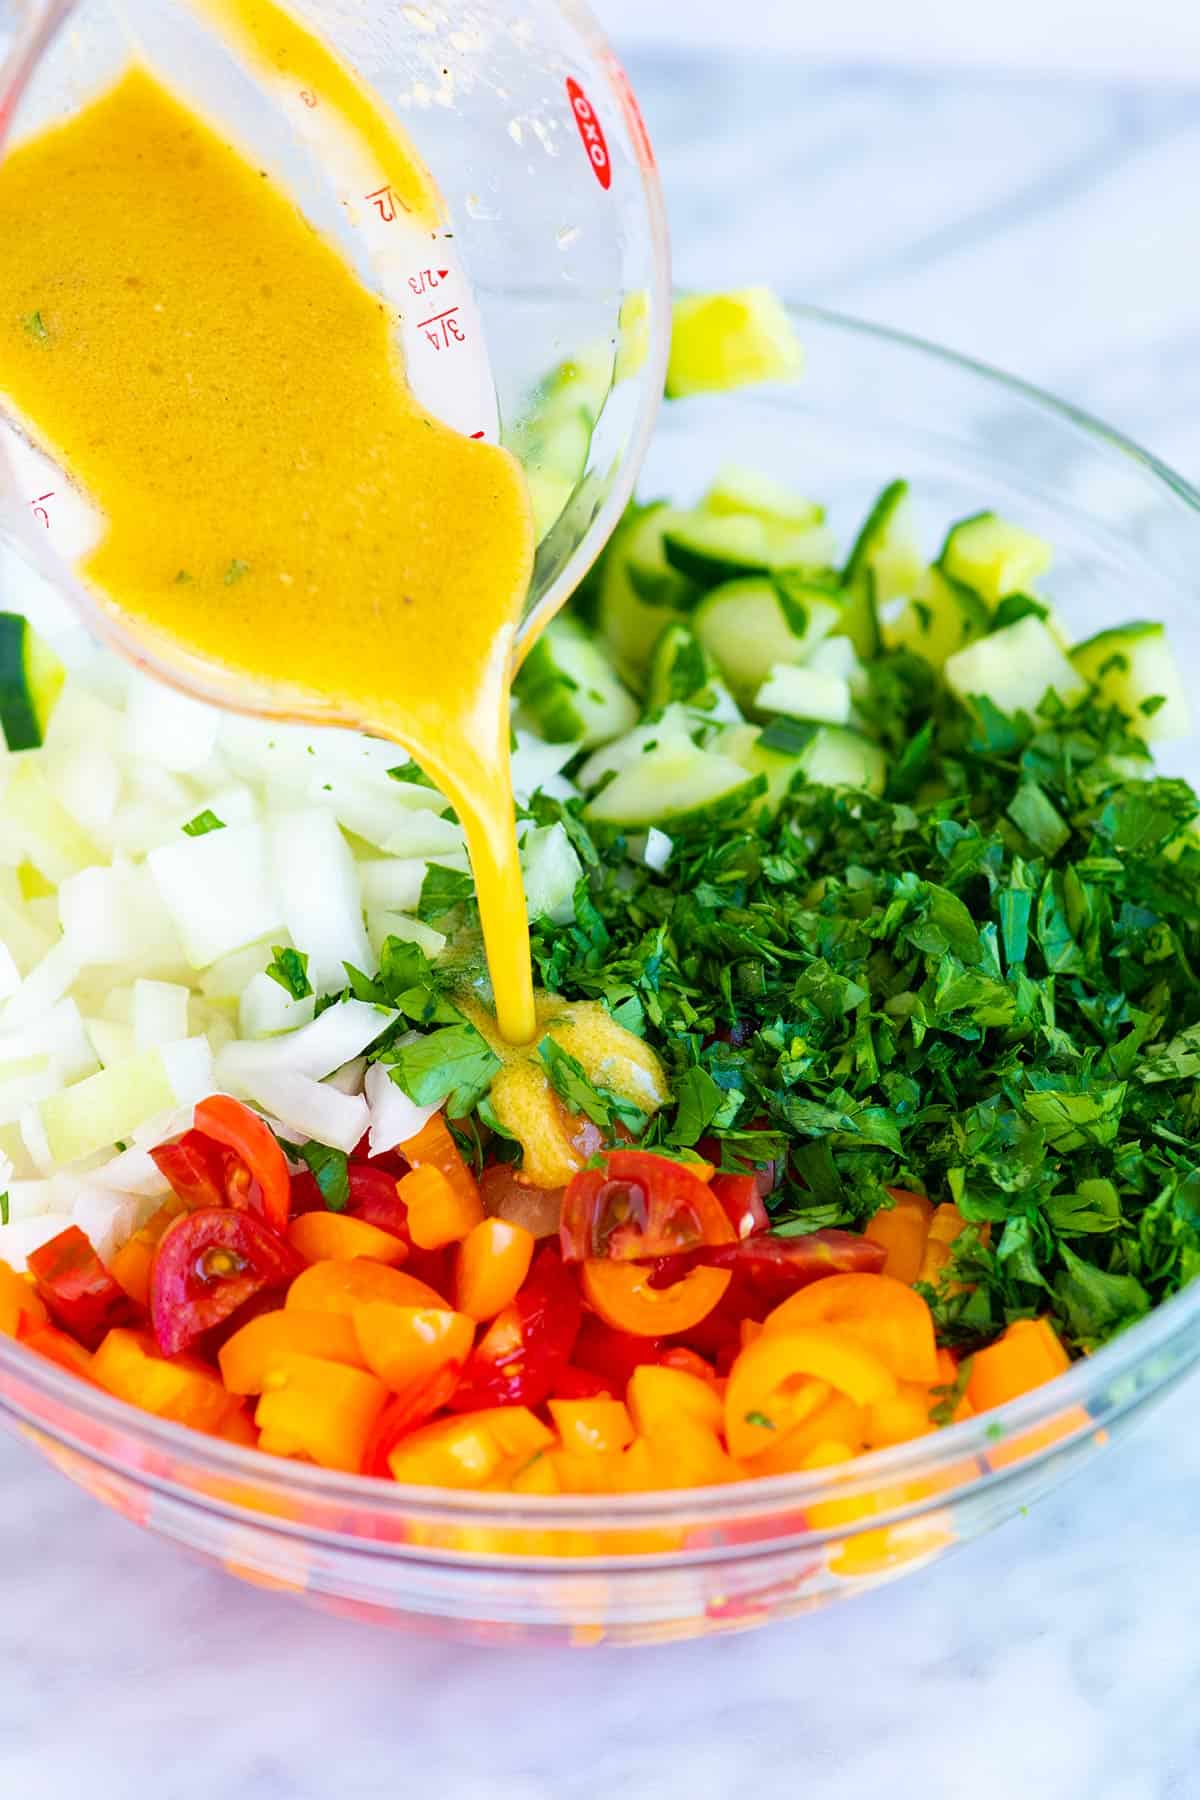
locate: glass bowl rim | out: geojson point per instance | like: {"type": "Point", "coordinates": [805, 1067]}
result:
{"type": "Point", "coordinates": [763, 1495]}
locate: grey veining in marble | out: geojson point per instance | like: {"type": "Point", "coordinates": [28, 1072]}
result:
{"type": "Point", "coordinates": [1051, 228]}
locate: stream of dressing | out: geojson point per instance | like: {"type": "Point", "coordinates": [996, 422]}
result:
{"type": "Point", "coordinates": [231, 399]}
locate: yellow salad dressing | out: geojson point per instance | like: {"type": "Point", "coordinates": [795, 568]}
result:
{"type": "Point", "coordinates": [230, 397]}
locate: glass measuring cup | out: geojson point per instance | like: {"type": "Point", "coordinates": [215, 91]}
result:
{"type": "Point", "coordinates": [536, 315]}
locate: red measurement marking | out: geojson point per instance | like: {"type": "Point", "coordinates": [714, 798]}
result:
{"type": "Point", "coordinates": [425, 280]}
{"type": "Point", "coordinates": [308, 99]}
{"type": "Point", "coordinates": [385, 203]}
{"type": "Point", "coordinates": [443, 329]}
{"type": "Point", "coordinates": [590, 132]}
{"type": "Point", "coordinates": [39, 508]}
{"type": "Point", "coordinates": [478, 434]}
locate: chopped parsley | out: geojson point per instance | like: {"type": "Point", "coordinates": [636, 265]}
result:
{"type": "Point", "coordinates": [760, 1419]}
{"type": "Point", "coordinates": [35, 325]}
{"type": "Point", "coordinates": [203, 823]}
{"type": "Point", "coordinates": [4, 1208]}
{"type": "Point", "coordinates": [290, 969]}
{"type": "Point", "coordinates": [235, 571]}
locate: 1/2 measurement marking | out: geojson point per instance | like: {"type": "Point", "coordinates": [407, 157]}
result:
{"type": "Point", "coordinates": [443, 330]}
{"type": "Point", "coordinates": [386, 203]}
{"type": "Point", "coordinates": [39, 508]}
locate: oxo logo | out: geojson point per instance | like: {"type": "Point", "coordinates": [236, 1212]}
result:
{"type": "Point", "coordinates": [590, 131]}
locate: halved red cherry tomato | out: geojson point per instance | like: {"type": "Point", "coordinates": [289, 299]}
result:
{"type": "Point", "coordinates": [581, 1384]}
{"type": "Point", "coordinates": [405, 1412]}
{"type": "Point", "coordinates": [375, 1200]}
{"type": "Point", "coordinates": [208, 1265]}
{"type": "Point", "coordinates": [237, 1128]}
{"type": "Point", "coordinates": [194, 1165]}
{"type": "Point", "coordinates": [768, 1267]}
{"type": "Point", "coordinates": [639, 1205]}
{"type": "Point", "coordinates": [612, 1355]}
{"type": "Point", "coordinates": [520, 1357]}
{"type": "Point", "coordinates": [741, 1196]}
{"type": "Point", "coordinates": [78, 1290]}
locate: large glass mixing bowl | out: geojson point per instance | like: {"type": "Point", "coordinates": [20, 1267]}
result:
{"type": "Point", "coordinates": [537, 313]}
{"type": "Point", "coordinates": [645, 1567]}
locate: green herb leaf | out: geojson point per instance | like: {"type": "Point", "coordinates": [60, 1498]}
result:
{"type": "Point", "coordinates": [330, 1171]}
{"type": "Point", "coordinates": [453, 1064]}
{"type": "Point", "coordinates": [235, 571]}
{"type": "Point", "coordinates": [203, 823]}
{"type": "Point", "coordinates": [290, 969]}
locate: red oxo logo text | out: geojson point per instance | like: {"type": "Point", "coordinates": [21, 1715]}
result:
{"type": "Point", "coordinates": [590, 131]}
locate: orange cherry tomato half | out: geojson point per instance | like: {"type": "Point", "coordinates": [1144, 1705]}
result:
{"type": "Point", "coordinates": [640, 1205]}
{"type": "Point", "coordinates": [625, 1298]}
{"type": "Point", "coordinates": [519, 1358]}
{"type": "Point", "coordinates": [878, 1311]}
{"type": "Point", "coordinates": [77, 1290]}
{"type": "Point", "coordinates": [237, 1128]}
{"type": "Point", "coordinates": [208, 1264]}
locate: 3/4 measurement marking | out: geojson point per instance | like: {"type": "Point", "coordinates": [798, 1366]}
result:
{"type": "Point", "coordinates": [591, 133]}
{"type": "Point", "coordinates": [442, 329]}
{"type": "Point", "coordinates": [39, 508]}
{"type": "Point", "coordinates": [309, 99]}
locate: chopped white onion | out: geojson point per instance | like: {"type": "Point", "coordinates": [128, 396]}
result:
{"type": "Point", "coordinates": [341, 1033]}
{"type": "Point", "coordinates": [218, 890]}
{"type": "Point", "coordinates": [160, 1013]}
{"type": "Point", "coordinates": [311, 1107]}
{"type": "Point", "coordinates": [170, 729]}
{"type": "Point", "coordinates": [318, 878]}
{"type": "Point", "coordinates": [394, 1117]}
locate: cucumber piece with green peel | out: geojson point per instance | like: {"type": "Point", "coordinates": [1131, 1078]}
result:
{"type": "Point", "coordinates": [750, 625]}
{"type": "Point", "coordinates": [674, 725]}
{"type": "Point", "coordinates": [787, 751]}
{"type": "Point", "coordinates": [629, 624]}
{"type": "Point", "coordinates": [1133, 668]}
{"type": "Point", "coordinates": [676, 785]}
{"type": "Point", "coordinates": [682, 671]}
{"type": "Point", "coordinates": [568, 691]}
{"type": "Point", "coordinates": [994, 556]}
{"type": "Point", "coordinates": [943, 617]}
{"type": "Point", "coordinates": [712, 548]}
{"type": "Point", "coordinates": [738, 490]}
{"type": "Point", "coordinates": [722, 341]}
{"type": "Point", "coordinates": [1014, 668]}
{"type": "Point", "coordinates": [803, 693]}
{"type": "Point", "coordinates": [884, 563]}
{"type": "Point", "coordinates": [31, 679]}
{"type": "Point", "coordinates": [652, 577]}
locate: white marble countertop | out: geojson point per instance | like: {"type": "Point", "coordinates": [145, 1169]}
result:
{"type": "Point", "coordinates": [1050, 227]}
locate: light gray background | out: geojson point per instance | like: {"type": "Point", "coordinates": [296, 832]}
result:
{"type": "Point", "coordinates": [1050, 225]}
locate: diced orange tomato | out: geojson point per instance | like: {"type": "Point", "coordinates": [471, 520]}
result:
{"type": "Point", "coordinates": [239, 1428]}
{"type": "Point", "coordinates": [902, 1229]}
{"type": "Point", "coordinates": [622, 1295]}
{"type": "Point", "coordinates": [783, 1376]}
{"type": "Point", "coordinates": [344, 1283]}
{"type": "Point", "coordinates": [439, 1211]}
{"type": "Point", "coordinates": [1027, 1355]}
{"type": "Point", "coordinates": [57, 1347]}
{"type": "Point", "coordinates": [891, 1319]}
{"type": "Point", "coordinates": [320, 1410]}
{"type": "Point", "coordinates": [491, 1265]}
{"type": "Point", "coordinates": [945, 1228]}
{"type": "Point", "coordinates": [836, 1420]}
{"type": "Point", "coordinates": [129, 1365]}
{"type": "Point", "coordinates": [248, 1357]}
{"type": "Point", "coordinates": [900, 1418]}
{"type": "Point", "coordinates": [537, 1477]}
{"type": "Point", "coordinates": [434, 1147]}
{"type": "Point", "coordinates": [408, 1344]}
{"type": "Point", "coordinates": [657, 1395]}
{"type": "Point", "coordinates": [133, 1262]}
{"type": "Point", "coordinates": [19, 1302]}
{"type": "Point", "coordinates": [331, 1236]}
{"type": "Point", "coordinates": [684, 1452]}
{"type": "Point", "coordinates": [469, 1450]}
{"type": "Point", "coordinates": [592, 1427]}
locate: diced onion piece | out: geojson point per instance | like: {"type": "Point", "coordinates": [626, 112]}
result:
{"type": "Point", "coordinates": [97, 1113]}
{"type": "Point", "coordinates": [311, 1108]}
{"type": "Point", "coordinates": [395, 882]}
{"type": "Point", "coordinates": [266, 1008]}
{"type": "Point", "coordinates": [112, 1042]}
{"type": "Point", "coordinates": [116, 918]}
{"type": "Point", "coordinates": [168, 729]}
{"type": "Point", "coordinates": [218, 890]}
{"type": "Point", "coordinates": [42, 988]}
{"type": "Point", "coordinates": [134, 1171]}
{"type": "Point", "coordinates": [105, 1217]}
{"type": "Point", "coordinates": [318, 879]}
{"type": "Point", "coordinates": [424, 833]}
{"type": "Point", "coordinates": [349, 1078]}
{"type": "Point", "coordinates": [87, 779]}
{"type": "Point", "coordinates": [383, 925]}
{"type": "Point", "coordinates": [341, 1033]}
{"type": "Point", "coordinates": [20, 1238]}
{"type": "Point", "coordinates": [160, 1013]}
{"type": "Point", "coordinates": [189, 1067]}
{"type": "Point", "coordinates": [52, 840]}
{"type": "Point", "coordinates": [394, 1117]}
{"type": "Point", "coordinates": [24, 938]}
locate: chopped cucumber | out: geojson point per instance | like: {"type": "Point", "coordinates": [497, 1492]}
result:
{"type": "Point", "coordinates": [682, 671]}
{"type": "Point", "coordinates": [993, 556]}
{"type": "Point", "coordinates": [835, 656]}
{"type": "Point", "coordinates": [1014, 668]}
{"type": "Point", "coordinates": [786, 751]}
{"type": "Point", "coordinates": [552, 870]}
{"type": "Point", "coordinates": [942, 617]}
{"type": "Point", "coordinates": [738, 490]}
{"type": "Point", "coordinates": [674, 725]}
{"type": "Point", "coordinates": [651, 576]}
{"type": "Point", "coordinates": [805, 694]}
{"type": "Point", "coordinates": [1133, 667]}
{"type": "Point", "coordinates": [554, 439]}
{"type": "Point", "coordinates": [884, 562]}
{"type": "Point", "coordinates": [31, 678]}
{"type": "Point", "coordinates": [568, 691]}
{"type": "Point", "coordinates": [722, 341]}
{"type": "Point", "coordinates": [711, 548]}
{"type": "Point", "coordinates": [748, 626]}
{"type": "Point", "coordinates": [630, 624]}
{"type": "Point", "coordinates": [676, 785]}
